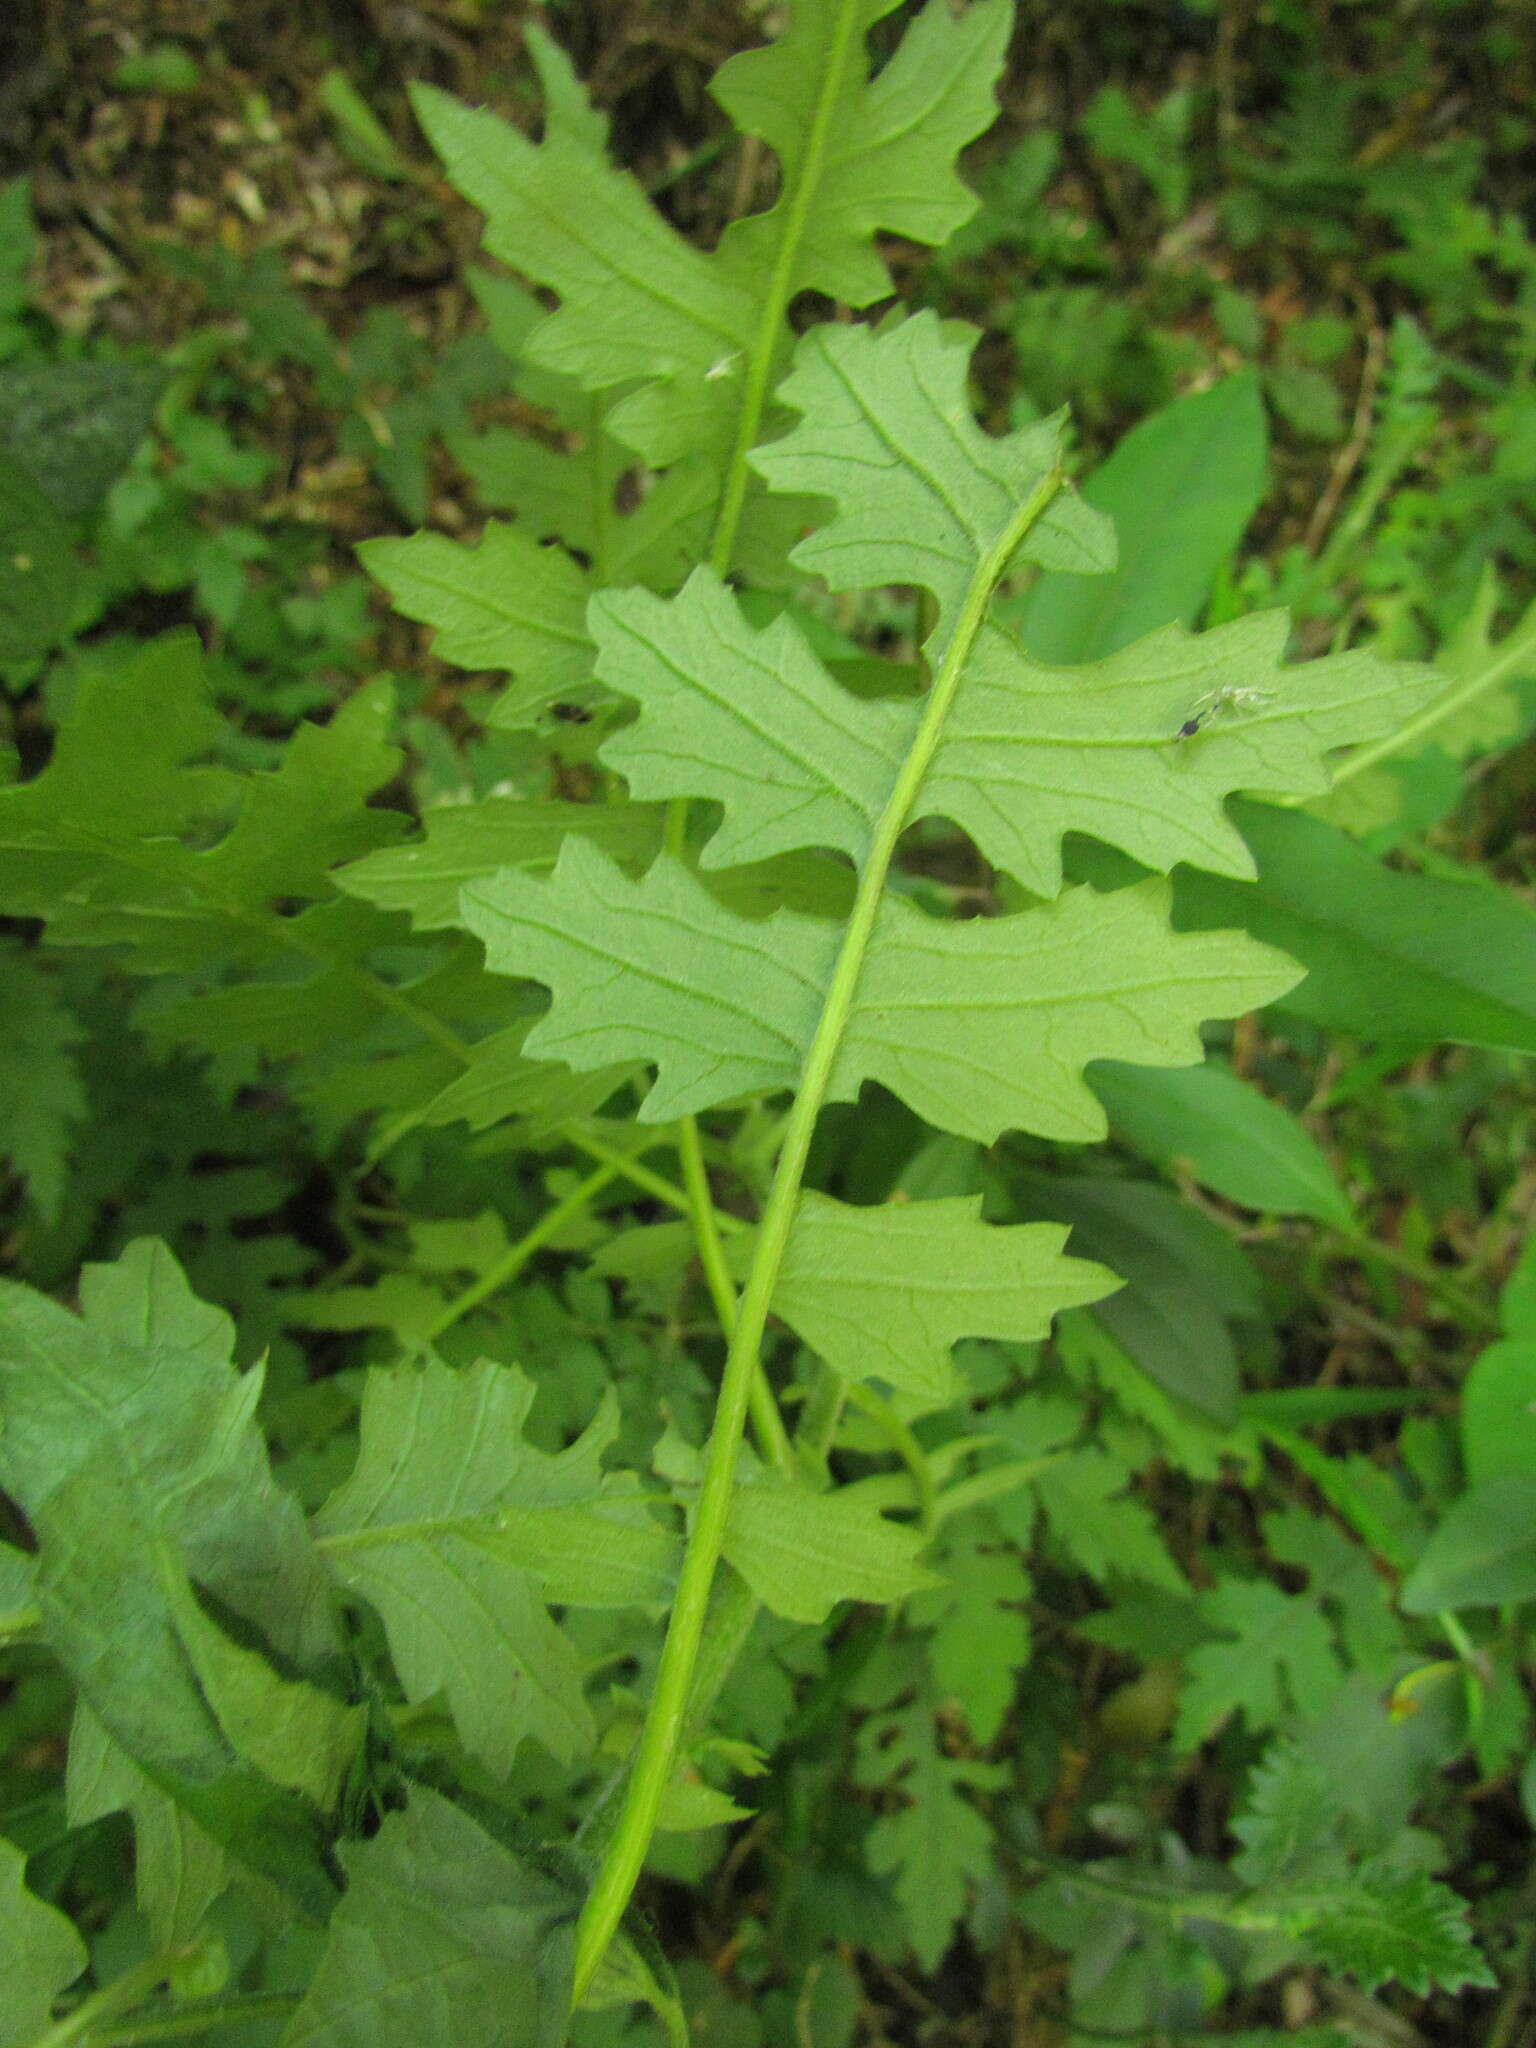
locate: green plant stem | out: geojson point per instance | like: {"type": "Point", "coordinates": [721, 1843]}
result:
{"type": "Point", "coordinates": [1422, 1272]}
{"type": "Point", "coordinates": [199, 2018]}
{"type": "Point", "coordinates": [92, 2013]}
{"type": "Point", "coordinates": [1510, 657]}
{"type": "Point", "coordinates": [631, 1169]}
{"type": "Point", "coordinates": [794, 206]}
{"type": "Point", "coordinates": [709, 1223]}
{"type": "Point", "coordinates": [507, 1268]}
{"type": "Point", "coordinates": [656, 1751]}
{"type": "Point", "coordinates": [1471, 1667]}
{"type": "Point", "coordinates": [905, 1445]}
{"type": "Point", "coordinates": [767, 1422]}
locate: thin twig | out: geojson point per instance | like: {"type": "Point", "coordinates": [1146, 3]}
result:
{"type": "Point", "coordinates": [1347, 461]}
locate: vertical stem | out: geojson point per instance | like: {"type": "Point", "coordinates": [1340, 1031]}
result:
{"type": "Point", "coordinates": [660, 1737]}
{"type": "Point", "coordinates": [779, 287]}
{"type": "Point", "coordinates": [767, 1423]}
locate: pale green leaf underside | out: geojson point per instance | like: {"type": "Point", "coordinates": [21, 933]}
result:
{"type": "Point", "coordinates": [641, 306]}
{"type": "Point", "coordinates": [40, 1953]}
{"type": "Point", "coordinates": [857, 156]}
{"type": "Point", "coordinates": [458, 1531]}
{"type": "Point", "coordinates": [508, 605]}
{"type": "Point", "coordinates": [922, 494]}
{"type": "Point", "coordinates": [802, 1552]}
{"type": "Point", "coordinates": [981, 1027]}
{"type": "Point", "coordinates": [638, 302]}
{"type": "Point", "coordinates": [882, 1293]}
{"type": "Point", "coordinates": [753, 721]}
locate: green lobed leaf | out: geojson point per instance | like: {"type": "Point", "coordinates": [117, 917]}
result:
{"type": "Point", "coordinates": [1390, 1926]}
{"type": "Point", "coordinates": [638, 302]}
{"type": "Point", "coordinates": [459, 1532]}
{"type": "Point", "coordinates": [40, 1954]}
{"type": "Point", "coordinates": [501, 1083]}
{"type": "Point", "coordinates": [507, 604]}
{"type": "Point", "coordinates": [753, 720]}
{"type": "Point", "coordinates": [442, 1935]}
{"type": "Point", "coordinates": [1287, 1821]}
{"type": "Point", "coordinates": [932, 1843]}
{"type": "Point", "coordinates": [981, 1027]}
{"type": "Point", "coordinates": [105, 842]}
{"type": "Point", "coordinates": [178, 1869]}
{"type": "Point", "coordinates": [464, 842]}
{"type": "Point", "coordinates": [883, 1293]}
{"type": "Point", "coordinates": [978, 1632]}
{"type": "Point", "coordinates": [1278, 1655]}
{"type": "Point", "coordinates": [641, 307]}
{"type": "Point", "coordinates": [1106, 1531]}
{"type": "Point", "coordinates": [922, 494]}
{"type": "Point", "coordinates": [1226, 1134]}
{"type": "Point", "coordinates": [1032, 753]}
{"type": "Point", "coordinates": [801, 1552]}
{"type": "Point", "coordinates": [858, 157]}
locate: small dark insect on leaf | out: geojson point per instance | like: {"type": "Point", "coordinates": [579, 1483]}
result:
{"type": "Point", "coordinates": [1230, 697]}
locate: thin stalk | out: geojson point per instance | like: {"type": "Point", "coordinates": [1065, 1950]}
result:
{"type": "Point", "coordinates": [507, 1268]}
{"type": "Point", "coordinates": [767, 1423]}
{"type": "Point", "coordinates": [1434, 1279]}
{"type": "Point", "coordinates": [1509, 658]}
{"type": "Point", "coordinates": [659, 1739]}
{"type": "Point", "coordinates": [198, 2018]}
{"type": "Point", "coordinates": [708, 1225]}
{"type": "Point", "coordinates": [774, 302]}
{"type": "Point", "coordinates": [1471, 1667]}
{"type": "Point", "coordinates": [644, 1177]}
{"type": "Point", "coordinates": [906, 1446]}
{"type": "Point", "coordinates": [131, 1989]}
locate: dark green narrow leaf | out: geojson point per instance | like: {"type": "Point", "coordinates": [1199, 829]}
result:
{"type": "Point", "coordinates": [1228, 1135]}
{"type": "Point", "coordinates": [1388, 956]}
{"type": "Point", "coordinates": [1181, 489]}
